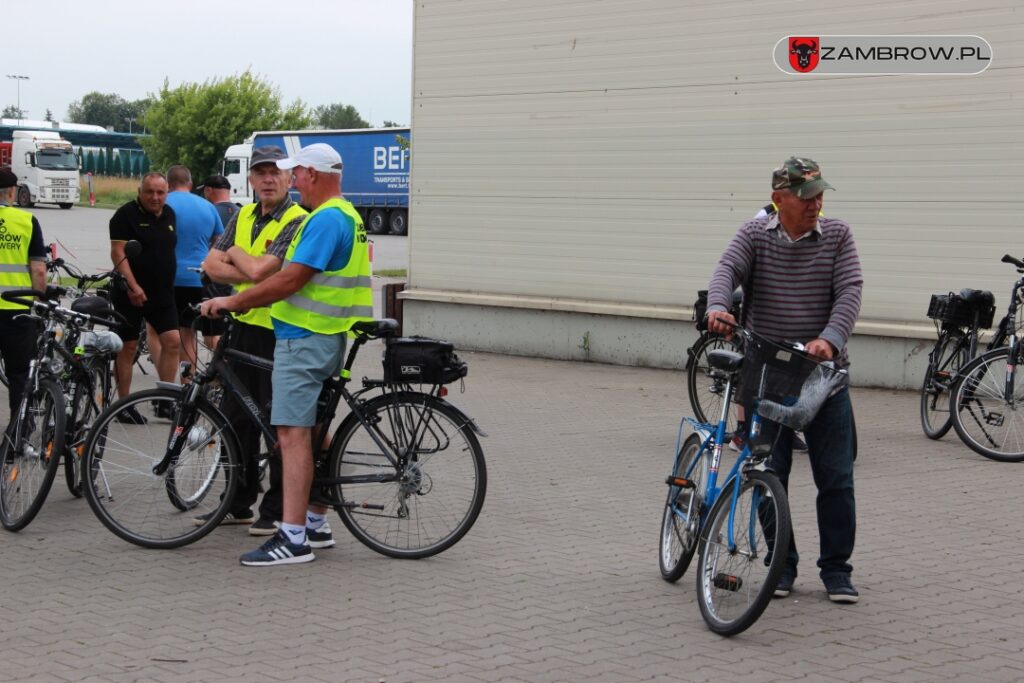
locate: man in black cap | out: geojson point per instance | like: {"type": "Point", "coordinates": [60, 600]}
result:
{"type": "Point", "coordinates": [217, 190]}
{"type": "Point", "coordinates": [252, 249]}
{"type": "Point", "coordinates": [22, 266]}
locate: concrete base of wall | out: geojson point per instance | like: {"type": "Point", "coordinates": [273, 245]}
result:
{"type": "Point", "coordinates": [877, 361]}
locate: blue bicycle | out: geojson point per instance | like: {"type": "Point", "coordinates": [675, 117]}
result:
{"type": "Point", "coordinates": [737, 526]}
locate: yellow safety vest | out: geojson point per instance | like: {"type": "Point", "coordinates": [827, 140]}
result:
{"type": "Point", "coordinates": [259, 316]}
{"type": "Point", "coordinates": [15, 235]}
{"type": "Point", "coordinates": [332, 300]}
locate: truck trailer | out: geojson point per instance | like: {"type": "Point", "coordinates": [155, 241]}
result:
{"type": "Point", "coordinates": [46, 166]}
{"type": "Point", "coordinates": [375, 176]}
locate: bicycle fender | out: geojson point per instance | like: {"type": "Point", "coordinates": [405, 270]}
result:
{"type": "Point", "coordinates": [468, 420]}
{"type": "Point", "coordinates": [171, 386]}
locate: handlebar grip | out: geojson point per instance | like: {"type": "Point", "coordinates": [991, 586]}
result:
{"type": "Point", "coordinates": [1010, 259]}
{"type": "Point", "coordinates": [15, 296]}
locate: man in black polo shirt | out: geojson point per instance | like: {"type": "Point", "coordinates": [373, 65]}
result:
{"type": "Point", "coordinates": [149, 280]}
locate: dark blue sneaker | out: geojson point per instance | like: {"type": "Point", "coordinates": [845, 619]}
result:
{"type": "Point", "coordinates": [320, 538]}
{"type": "Point", "coordinates": [840, 588]}
{"type": "Point", "coordinates": [278, 550]}
{"type": "Point", "coordinates": [785, 586]}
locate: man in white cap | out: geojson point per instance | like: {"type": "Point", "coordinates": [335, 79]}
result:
{"type": "Point", "coordinates": [323, 289]}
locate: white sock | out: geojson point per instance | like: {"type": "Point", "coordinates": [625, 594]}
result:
{"type": "Point", "coordinates": [314, 520]}
{"type": "Point", "coordinates": [295, 533]}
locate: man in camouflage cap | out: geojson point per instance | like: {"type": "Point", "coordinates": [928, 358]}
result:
{"type": "Point", "coordinates": [802, 282]}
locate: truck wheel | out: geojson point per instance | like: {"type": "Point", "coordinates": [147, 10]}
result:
{"type": "Point", "coordinates": [398, 224]}
{"type": "Point", "coordinates": [377, 223]}
{"type": "Point", "coordinates": [65, 205]}
{"type": "Point", "coordinates": [25, 197]}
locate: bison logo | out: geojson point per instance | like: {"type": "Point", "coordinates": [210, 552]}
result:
{"type": "Point", "coordinates": [803, 53]}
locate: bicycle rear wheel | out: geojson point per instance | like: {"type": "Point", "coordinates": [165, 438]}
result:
{"type": "Point", "coordinates": [88, 399]}
{"type": "Point", "coordinates": [735, 584]}
{"type": "Point", "coordinates": [944, 362]}
{"type": "Point", "coordinates": [680, 523]}
{"type": "Point", "coordinates": [982, 417]}
{"type": "Point", "coordinates": [145, 508]}
{"type": "Point", "coordinates": [431, 498]}
{"type": "Point", "coordinates": [706, 392]}
{"type": "Point", "coordinates": [30, 454]}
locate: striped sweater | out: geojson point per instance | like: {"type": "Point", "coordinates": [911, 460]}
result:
{"type": "Point", "coordinates": [793, 291]}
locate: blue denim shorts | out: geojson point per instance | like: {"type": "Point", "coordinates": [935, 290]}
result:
{"type": "Point", "coordinates": [300, 368]}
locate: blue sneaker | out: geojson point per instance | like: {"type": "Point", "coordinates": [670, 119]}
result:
{"type": "Point", "coordinates": [278, 550]}
{"type": "Point", "coordinates": [840, 589]}
{"type": "Point", "coordinates": [320, 538]}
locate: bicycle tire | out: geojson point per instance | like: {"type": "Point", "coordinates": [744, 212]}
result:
{"type": "Point", "coordinates": [133, 502]}
{"type": "Point", "coordinates": [442, 487]}
{"type": "Point", "coordinates": [731, 596]}
{"type": "Point", "coordinates": [944, 362]}
{"type": "Point", "coordinates": [684, 507]}
{"type": "Point", "coordinates": [30, 455]}
{"type": "Point", "coordinates": [981, 418]}
{"type": "Point", "coordinates": [705, 392]}
{"type": "Point", "coordinates": [87, 401]}
{"type": "Point", "coordinates": [3, 373]}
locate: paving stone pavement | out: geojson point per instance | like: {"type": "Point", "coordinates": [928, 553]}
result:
{"type": "Point", "coordinates": [558, 580]}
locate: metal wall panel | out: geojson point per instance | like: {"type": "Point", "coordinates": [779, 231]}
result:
{"type": "Point", "coordinates": [607, 150]}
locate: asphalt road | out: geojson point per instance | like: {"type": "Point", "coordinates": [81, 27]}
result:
{"type": "Point", "coordinates": [82, 238]}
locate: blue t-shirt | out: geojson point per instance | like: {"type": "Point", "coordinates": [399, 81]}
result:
{"type": "Point", "coordinates": [325, 244]}
{"type": "Point", "coordinates": [198, 223]}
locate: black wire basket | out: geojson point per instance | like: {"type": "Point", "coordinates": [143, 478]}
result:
{"type": "Point", "coordinates": [788, 385]}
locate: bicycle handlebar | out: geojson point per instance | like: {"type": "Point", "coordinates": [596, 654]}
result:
{"type": "Point", "coordinates": [52, 308]}
{"type": "Point", "coordinates": [1015, 261]}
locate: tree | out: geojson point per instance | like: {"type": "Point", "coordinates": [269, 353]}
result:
{"type": "Point", "coordinates": [109, 110]}
{"type": "Point", "coordinates": [194, 123]}
{"type": "Point", "coordinates": [49, 115]}
{"type": "Point", "coordinates": [338, 115]}
{"type": "Point", "coordinates": [12, 112]}
{"type": "Point", "coordinates": [391, 124]}
{"type": "Point", "coordinates": [101, 163]}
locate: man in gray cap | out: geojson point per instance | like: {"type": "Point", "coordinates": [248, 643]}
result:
{"type": "Point", "coordinates": [802, 282]}
{"type": "Point", "coordinates": [252, 249]}
{"type": "Point", "coordinates": [217, 190]}
{"type": "Point", "coordinates": [22, 266]}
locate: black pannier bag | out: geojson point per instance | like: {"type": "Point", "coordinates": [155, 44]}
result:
{"type": "Point", "coordinates": [419, 360]}
{"type": "Point", "coordinates": [700, 307]}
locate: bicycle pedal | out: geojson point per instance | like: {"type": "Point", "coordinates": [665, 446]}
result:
{"type": "Point", "coordinates": [728, 582]}
{"type": "Point", "coordinates": [680, 482]}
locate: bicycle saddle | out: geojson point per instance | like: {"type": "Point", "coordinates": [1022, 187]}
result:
{"type": "Point", "coordinates": [977, 297]}
{"type": "Point", "coordinates": [723, 359]}
{"type": "Point", "coordinates": [375, 328]}
{"type": "Point", "coordinates": [91, 305]}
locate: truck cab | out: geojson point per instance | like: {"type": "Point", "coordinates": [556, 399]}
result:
{"type": "Point", "coordinates": [47, 169]}
{"type": "Point", "coordinates": [235, 167]}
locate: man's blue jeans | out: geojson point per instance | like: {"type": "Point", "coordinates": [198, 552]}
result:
{"type": "Point", "coordinates": [830, 449]}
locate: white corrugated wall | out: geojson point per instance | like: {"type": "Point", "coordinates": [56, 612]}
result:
{"type": "Point", "coordinates": [596, 156]}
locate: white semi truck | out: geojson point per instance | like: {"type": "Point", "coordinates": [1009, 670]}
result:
{"type": "Point", "coordinates": [46, 166]}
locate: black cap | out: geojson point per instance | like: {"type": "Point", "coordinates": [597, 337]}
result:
{"type": "Point", "coordinates": [266, 155]}
{"type": "Point", "coordinates": [217, 182]}
{"type": "Point", "coordinates": [7, 178]}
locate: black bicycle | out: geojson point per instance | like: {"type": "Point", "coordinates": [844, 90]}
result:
{"type": "Point", "coordinates": [63, 393]}
{"type": "Point", "coordinates": [985, 400]}
{"type": "Point", "coordinates": [404, 469]}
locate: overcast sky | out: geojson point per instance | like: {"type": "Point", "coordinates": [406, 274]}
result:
{"type": "Point", "coordinates": [321, 51]}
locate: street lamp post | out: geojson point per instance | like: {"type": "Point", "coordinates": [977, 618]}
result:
{"type": "Point", "coordinates": [18, 80]}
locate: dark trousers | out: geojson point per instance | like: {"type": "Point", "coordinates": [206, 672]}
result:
{"type": "Point", "coordinates": [258, 341]}
{"type": "Point", "coordinates": [18, 339]}
{"type": "Point", "coordinates": [830, 449]}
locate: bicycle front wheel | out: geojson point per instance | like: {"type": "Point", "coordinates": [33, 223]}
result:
{"type": "Point", "coordinates": [706, 392]}
{"type": "Point", "coordinates": [945, 361]}
{"type": "Point", "coordinates": [30, 454]}
{"type": "Point", "coordinates": [737, 577]}
{"type": "Point", "coordinates": [982, 416]}
{"type": "Point", "coordinates": [680, 523]}
{"type": "Point", "coordinates": [427, 500]}
{"type": "Point", "coordinates": [168, 510]}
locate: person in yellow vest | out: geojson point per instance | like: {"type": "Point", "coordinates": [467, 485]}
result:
{"type": "Point", "coordinates": [252, 249]}
{"type": "Point", "coordinates": [22, 266]}
{"type": "Point", "coordinates": [323, 289]}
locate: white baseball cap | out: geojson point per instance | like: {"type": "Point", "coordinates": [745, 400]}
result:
{"type": "Point", "coordinates": [319, 156]}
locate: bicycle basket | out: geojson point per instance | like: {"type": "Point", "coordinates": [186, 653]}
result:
{"type": "Point", "coordinates": [419, 360]}
{"type": "Point", "coordinates": [953, 309]}
{"type": "Point", "coordinates": [790, 386]}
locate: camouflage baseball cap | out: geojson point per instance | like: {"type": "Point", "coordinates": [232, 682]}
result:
{"type": "Point", "coordinates": [800, 175]}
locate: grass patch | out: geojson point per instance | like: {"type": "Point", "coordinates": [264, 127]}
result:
{"type": "Point", "coordinates": [390, 272]}
{"type": "Point", "coordinates": [111, 192]}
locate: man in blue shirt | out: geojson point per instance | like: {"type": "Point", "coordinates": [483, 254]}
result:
{"type": "Point", "coordinates": [199, 225]}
